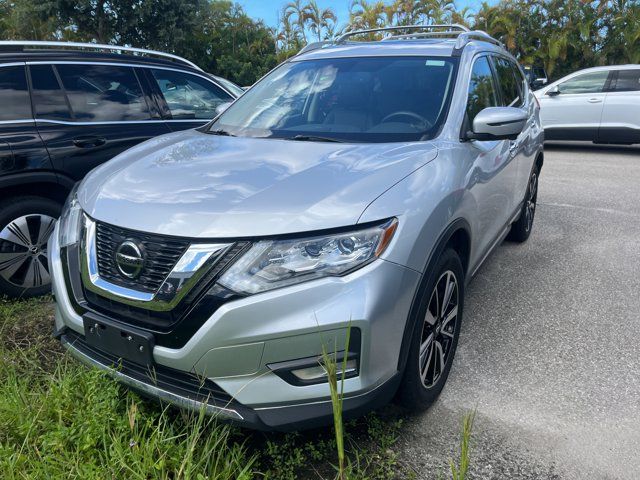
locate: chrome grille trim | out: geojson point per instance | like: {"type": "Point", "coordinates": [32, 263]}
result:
{"type": "Point", "coordinates": [179, 281]}
{"type": "Point", "coordinates": [162, 254]}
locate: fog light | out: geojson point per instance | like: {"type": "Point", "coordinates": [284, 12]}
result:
{"type": "Point", "coordinates": [311, 374]}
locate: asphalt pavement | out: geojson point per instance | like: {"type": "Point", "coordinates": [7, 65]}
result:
{"type": "Point", "coordinates": [549, 352]}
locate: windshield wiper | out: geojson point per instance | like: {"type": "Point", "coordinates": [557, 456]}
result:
{"type": "Point", "coordinates": [313, 138]}
{"type": "Point", "coordinates": [222, 132]}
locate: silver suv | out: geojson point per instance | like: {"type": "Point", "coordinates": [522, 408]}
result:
{"type": "Point", "coordinates": [350, 194]}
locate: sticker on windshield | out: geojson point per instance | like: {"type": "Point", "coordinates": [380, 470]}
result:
{"type": "Point", "coordinates": [435, 63]}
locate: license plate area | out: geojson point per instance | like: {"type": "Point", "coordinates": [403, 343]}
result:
{"type": "Point", "coordinates": [119, 340]}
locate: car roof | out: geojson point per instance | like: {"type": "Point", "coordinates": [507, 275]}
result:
{"type": "Point", "coordinates": [608, 67]}
{"type": "Point", "coordinates": [445, 47]}
{"type": "Point", "coordinates": [71, 56]}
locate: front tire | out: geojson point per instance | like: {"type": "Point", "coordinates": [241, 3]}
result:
{"type": "Point", "coordinates": [25, 226]}
{"type": "Point", "coordinates": [435, 334]}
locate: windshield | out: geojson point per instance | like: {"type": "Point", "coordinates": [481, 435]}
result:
{"type": "Point", "coordinates": [367, 99]}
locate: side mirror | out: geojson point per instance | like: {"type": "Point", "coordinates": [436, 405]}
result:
{"type": "Point", "coordinates": [553, 91]}
{"type": "Point", "coordinates": [498, 123]}
{"type": "Point", "coordinates": [542, 80]}
{"type": "Point", "coordinates": [222, 107]}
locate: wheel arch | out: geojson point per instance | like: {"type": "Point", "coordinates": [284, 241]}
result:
{"type": "Point", "coordinates": [39, 184]}
{"type": "Point", "coordinates": [457, 236]}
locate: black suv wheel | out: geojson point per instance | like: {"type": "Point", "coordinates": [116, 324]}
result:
{"type": "Point", "coordinates": [25, 226]}
{"type": "Point", "coordinates": [435, 334]}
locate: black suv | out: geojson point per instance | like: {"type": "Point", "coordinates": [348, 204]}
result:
{"type": "Point", "coordinates": [66, 108]}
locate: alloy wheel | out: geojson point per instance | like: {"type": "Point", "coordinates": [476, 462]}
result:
{"type": "Point", "coordinates": [23, 251]}
{"type": "Point", "coordinates": [439, 329]}
{"type": "Point", "coordinates": [530, 204]}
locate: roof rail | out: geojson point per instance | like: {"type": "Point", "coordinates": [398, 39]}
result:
{"type": "Point", "coordinates": [35, 45]}
{"type": "Point", "coordinates": [314, 46]}
{"type": "Point", "coordinates": [481, 35]}
{"type": "Point", "coordinates": [462, 37]}
{"type": "Point", "coordinates": [453, 28]}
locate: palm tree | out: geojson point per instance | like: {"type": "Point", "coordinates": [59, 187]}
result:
{"type": "Point", "coordinates": [296, 9]}
{"type": "Point", "coordinates": [365, 15]}
{"type": "Point", "coordinates": [319, 19]}
{"type": "Point", "coordinates": [287, 36]}
{"type": "Point", "coordinates": [462, 17]}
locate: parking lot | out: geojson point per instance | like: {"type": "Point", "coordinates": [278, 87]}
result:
{"type": "Point", "coordinates": [549, 353]}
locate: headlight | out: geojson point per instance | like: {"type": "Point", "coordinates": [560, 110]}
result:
{"type": "Point", "coordinates": [69, 228]}
{"type": "Point", "coordinates": [272, 264]}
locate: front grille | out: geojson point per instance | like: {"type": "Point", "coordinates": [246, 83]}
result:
{"type": "Point", "coordinates": [161, 255]}
{"type": "Point", "coordinates": [159, 321]}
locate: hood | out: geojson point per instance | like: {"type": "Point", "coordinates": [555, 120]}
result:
{"type": "Point", "coordinates": [194, 184]}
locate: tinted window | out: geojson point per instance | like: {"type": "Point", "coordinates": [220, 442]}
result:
{"type": "Point", "coordinates": [510, 84]}
{"type": "Point", "coordinates": [586, 83]}
{"type": "Point", "coordinates": [48, 97]}
{"type": "Point", "coordinates": [190, 96]}
{"type": "Point", "coordinates": [14, 94]}
{"type": "Point", "coordinates": [102, 93]}
{"type": "Point", "coordinates": [482, 92]}
{"type": "Point", "coordinates": [229, 85]}
{"type": "Point", "coordinates": [372, 99]}
{"type": "Point", "coordinates": [628, 81]}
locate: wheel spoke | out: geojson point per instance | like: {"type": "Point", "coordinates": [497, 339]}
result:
{"type": "Point", "coordinates": [423, 373]}
{"type": "Point", "coordinates": [440, 353]}
{"type": "Point", "coordinates": [424, 348]}
{"type": "Point", "coordinates": [11, 262]}
{"type": "Point", "coordinates": [533, 187]}
{"type": "Point", "coordinates": [17, 232]}
{"type": "Point", "coordinates": [448, 291]}
{"type": "Point", "coordinates": [46, 228]}
{"type": "Point", "coordinates": [429, 318]}
{"type": "Point", "coordinates": [36, 275]}
{"type": "Point", "coordinates": [445, 323]}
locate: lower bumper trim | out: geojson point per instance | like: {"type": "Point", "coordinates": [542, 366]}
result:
{"type": "Point", "coordinates": [282, 418]}
{"type": "Point", "coordinates": [147, 388]}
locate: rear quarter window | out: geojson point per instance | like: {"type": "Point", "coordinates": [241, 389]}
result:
{"type": "Point", "coordinates": [627, 81]}
{"type": "Point", "coordinates": [14, 94]}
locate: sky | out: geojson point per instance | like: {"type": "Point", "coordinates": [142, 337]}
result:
{"type": "Point", "coordinates": [268, 10]}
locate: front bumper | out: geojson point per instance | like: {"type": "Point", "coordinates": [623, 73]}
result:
{"type": "Point", "coordinates": [284, 418]}
{"type": "Point", "coordinates": [235, 346]}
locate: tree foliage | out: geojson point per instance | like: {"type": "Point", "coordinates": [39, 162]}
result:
{"type": "Point", "coordinates": [216, 35]}
{"type": "Point", "coordinates": [561, 35]}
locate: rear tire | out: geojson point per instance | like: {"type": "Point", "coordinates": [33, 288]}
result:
{"type": "Point", "coordinates": [25, 226]}
{"type": "Point", "coordinates": [521, 228]}
{"type": "Point", "coordinates": [434, 339]}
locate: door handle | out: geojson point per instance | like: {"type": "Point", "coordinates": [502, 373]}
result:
{"type": "Point", "coordinates": [89, 141]}
{"type": "Point", "coordinates": [595, 100]}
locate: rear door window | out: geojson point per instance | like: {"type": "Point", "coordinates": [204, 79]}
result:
{"type": "Point", "coordinates": [627, 81]}
{"type": "Point", "coordinates": [14, 94]}
{"type": "Point", "coordinates": [188, 96]}
{"type": "Point", "coordinates": [482, 91]}
{"type": "Point", "coordinates": [592, 82]}
{"type": "Point", "coordinates": [103, 93]}
{"type": "Point", "coordinates": [49, 100]}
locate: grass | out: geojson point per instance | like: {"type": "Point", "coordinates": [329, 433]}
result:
{"type": "Point", "coordinates": [59, 419]}
{"type": "Point", "coordinates": [330, 364]}
{"type": "Point", "coordinates": [459, 471]}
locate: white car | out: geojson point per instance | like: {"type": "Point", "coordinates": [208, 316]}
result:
{"type": "Point", "coordinates": [600, 104]}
